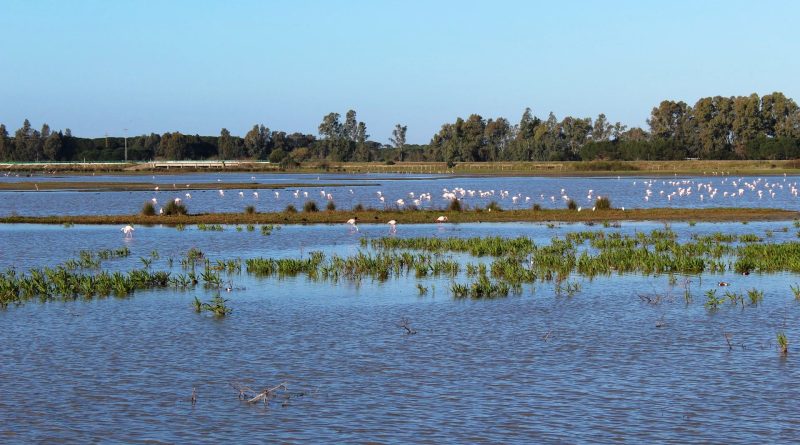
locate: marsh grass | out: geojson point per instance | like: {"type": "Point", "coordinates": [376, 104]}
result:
{"type": "Point", "coordinates": [310, 207]}
{"type": "Point", "coordinates": [173, 209]}
{"type": "Point", "coordinates": [148, 209]}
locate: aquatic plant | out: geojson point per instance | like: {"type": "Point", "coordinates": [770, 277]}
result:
{"type": "Point", "coordinates": [290, 209]}
{"type": "Point", "coordinates": [796, 291]}
{"type": "Point", "coordinates": [250, 210]}
{"type": "Point", "coordinates": [572, 205]}
{"type": "Point", "coordinates": [310, 207]}
{"type": "Point", "coordinates": [783, 343]}
{"type": "Point", "coordinates": [217, 306]}
{"type": "Point", "coordinates": [755, 296]}
{"type": "Point", "coordinates": [331, 206]}
{"type": "Point", "coordinates": [493, 206]}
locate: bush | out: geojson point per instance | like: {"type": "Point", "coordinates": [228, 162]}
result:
{"type": "Point", "coordinates": [537, 207]}
{"type": "Point", "coordinates": [291, 209]}
{"type": "Point", "coordinates": [310, 206]}
{"type": "Point", "coordinates": [454, 206]}
{"type": "Point", "coordinates": [451, 164]}
{"type": "Point", "coordinates": [148, 209]}
{"type": "Point", "coordinates": [494, 207]}
{"type": "Point", "coordinates": [250, 210]}
{"type": "Point", "coordinates": [173, 208]}
{"type": "Point", "coordinates": [389, 162]}
{"type": "Point", "coordinates": [331, 206]}
{"type": "Point", "coordinates": [571, 205]}
{"type": "Point", "coordinates": [358, 208]}
{"type": "Point", "coordinates": [602, 203]}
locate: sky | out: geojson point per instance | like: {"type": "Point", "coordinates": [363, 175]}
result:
{"type": "Point", "coordinates": [100, 67]}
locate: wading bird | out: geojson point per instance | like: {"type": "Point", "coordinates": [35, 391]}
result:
{"type": "Point", "coordinates": [352, 223]}
{"type": "Point", "coordinates": [128, 231]}
{"type": "Point", "coordinates": [392, 226]}
{"type": "Point", "coordinates": [441, 219]}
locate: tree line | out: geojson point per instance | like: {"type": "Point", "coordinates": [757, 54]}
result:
{"type": "Point", "coordinates": [739, 127]}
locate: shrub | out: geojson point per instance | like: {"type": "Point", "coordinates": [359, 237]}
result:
{"type": "Point", "coordinates": [358, 208]}
{"type": "Point", "coordinates": [389, 162]}
{"type": "Point", "coordinates": [454, 206]}
{"type": "Point", "coordinates": [310, 206]}
{"type": "Point", "coordinates": [331, 206]}
{"type": "Point", "coordinates": [148, 209]}
{"type": "Point", "coordinates": [602, 203]}
{"type": "Point", "coordinates": [250, 210]}
{"type": "Point", "coordinates": [494, 207]}
{"type": "Point", "coordinates": [291, 209]}
{"type": "Point", "coordinates": [173, 208]}
{"type": "Point", "coordinates": [537, 207]}
{"type": "Point", "coordinates": [571, 205]}
{"type": "Point", "coordinates": [451, 164]}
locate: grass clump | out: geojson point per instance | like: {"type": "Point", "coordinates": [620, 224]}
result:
{"type": "Point", "coordinates": [536, 207]}
{"type": "Point", "coordinates": [454, 206]}
{"type": "Point", "coordinates": [250, 210]}
{"type": "Point", "coordinates": [494, 207]}
{"type": "Point", "coordinates": [174, 208]}
{"type": "Point", "coordinates": [310, 207]}
{"type": "Point", "coordinates": [148, 209]}
{"type": "Point", "coordinates": [331, 206]}
{"type": "Point", "coordinates": [572, 205]}
{"type": "Point", "coordinates": [358, 208]}
{"type": "Point", "coordinates": [602, 203]}
{"type": "Point", "coordinates": [290, 209]}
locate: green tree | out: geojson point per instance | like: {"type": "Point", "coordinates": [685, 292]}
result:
{"type": "Point", "coordinates": [398, 140]}
{"type": "Point", "coordinates": [257, 142]}
{"type": "Point", "coordinates": [602, 130]}
{"type": "Point", "coordinates": [52, 146]}
{"type": "Point", "coordinates": [173, 146]}
{"type": "Point", "coordinates": [5, 144]}
{"type": "Point", "coordinates": [227, 145]}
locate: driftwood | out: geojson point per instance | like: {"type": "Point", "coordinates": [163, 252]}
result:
{"type": "Point", "coordinates": [405, 324]}
{"type": "Point", "coordinates": [251, 396]}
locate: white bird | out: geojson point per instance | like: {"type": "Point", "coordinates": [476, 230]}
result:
{"type": "Point", "coordinates": [155, 201]}
{"type": "Point", "coordinates": [352, 222]}
{"type": "Point", "coordinates": [188, 196]}
{"type": "Point", "coordinates": [177, 201]}
{"type": "Point", "coordinates": [255, 195]}
{"type": "Point", "coordinates": [128, 231]}
{"type": "Point", "coordinates": [222, 193]}
{"type": "Point", "coordinates": [441, 219]}
{"type": "Point", "coordinates": [161, 211]}
{"type": "Point", "coordinates": [392, 226]}
{"type": "Point", "coordinates": [156, 188]}
{"type": "Point", "coordinates": [241, 194]}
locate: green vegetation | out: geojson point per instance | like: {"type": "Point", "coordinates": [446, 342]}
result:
{"type": "Point", "coordinates": [148, 209]}
{"type": "Point", "coordinates": [310, 207]}
{"type": "Point", "coordinates": [174, 208]}
{"type": "Point", "coordinates": [737, 127]}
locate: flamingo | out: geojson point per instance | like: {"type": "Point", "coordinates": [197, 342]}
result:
{"type": "Point", "coordinates": [441, 219]}
{"type": "Point", "coordinates": [222, 193]}
{"type": "Point", "coordinates": [352, 222]}
{"type": "Point", "coordinates": [241, 194]}
{"type": "Point", "coordinates": [188, 196]}
{"type": "Point", "coordinates": [255, 195]}
{"type": "Point", "coordinates": [392, 226]}
{"type": "Point", "coordinates": [128, 231]}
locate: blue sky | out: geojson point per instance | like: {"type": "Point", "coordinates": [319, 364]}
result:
{"type": "Point", "coordinates": [196, 66]}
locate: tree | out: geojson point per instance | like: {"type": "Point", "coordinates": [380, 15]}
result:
{"type": "Point", "coordinates": [5, 144]}
{"type": "Point", "coordinates": [747, 122]}
{"type": "Point", "coordinates": [257, 142]}
{"type": "Point", "coordinates": [173, 146]}
{"type": "Point", "coordinates": [398, 140]}
{"type": "Point", "coordinates": [52, 146]}
{"type": "Point", "coordinates": [227, 146]}
{"type": "Point", "coordinates": [350, 126]}
{"type": "Point", "coordinates": [602, 129]}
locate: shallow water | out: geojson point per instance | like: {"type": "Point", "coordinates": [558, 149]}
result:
{"type": "Point", "coordinates": [548, 192]}
{"type": "Point", "coordinates": [537, 367]}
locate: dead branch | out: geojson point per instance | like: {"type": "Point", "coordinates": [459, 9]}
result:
{"type": "Point", "coordinates": [405, 324]}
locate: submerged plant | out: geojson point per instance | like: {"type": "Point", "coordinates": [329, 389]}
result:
{"type": "Point", "coordinates": [783, 343]}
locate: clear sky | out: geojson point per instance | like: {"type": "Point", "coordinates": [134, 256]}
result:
{"type": "Point", "coordinates": [196, 66]}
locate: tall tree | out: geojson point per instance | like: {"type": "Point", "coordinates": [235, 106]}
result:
{"type": "Point", "coordinates": [398, 140]}
{"type": "Point", "coordinates": [5, 144]}
{"type": "Point", "coordinates": [602, 130]}
{"type": "Point", "coordinates": [350, 126]}
{"type": "Point", "coordinates": [227, 146]}
{"type": "Point", "coordinates": [257, 142]}
{"type": "Point", "coordinates": [52, 146]}
{"type": "Point", "coordinates": [173, 146]}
